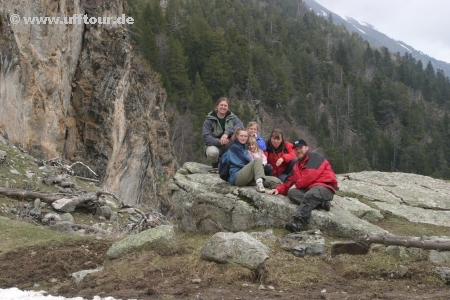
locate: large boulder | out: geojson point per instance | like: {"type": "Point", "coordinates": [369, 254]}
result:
{"type": "Point", "coordinates": [239, 248]}
{"type": "Point", "coordinates": [160, 239]}
{"type": "Point", "coordinates": [419, 199]}
{"type": "Point", "coordinates": [202, 202]}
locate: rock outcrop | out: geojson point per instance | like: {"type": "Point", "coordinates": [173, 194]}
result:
{"type": "Point", "coordinates": [79, 91]}
{"type": "Point", "coordinates": [203, 202]}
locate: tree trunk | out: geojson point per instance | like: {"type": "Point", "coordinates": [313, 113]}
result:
{"type": "Point", "coordinates": [408, 241]}
{"type": "Point", "coordinates": [362, 246]}
{"type": "Point", "coordinates": [79, 199]}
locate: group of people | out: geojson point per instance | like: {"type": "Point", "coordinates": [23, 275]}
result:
{"type": "Point", "coordinates": [281, 166]}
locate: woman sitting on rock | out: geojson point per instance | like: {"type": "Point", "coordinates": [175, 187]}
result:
{"type": "Point", "coordinates": [242, 169]}
{"type": "Point", "coordinates": [280, 154]}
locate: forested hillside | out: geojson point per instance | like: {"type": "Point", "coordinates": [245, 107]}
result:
{"type": "Point", "coordinates": [369, 109]}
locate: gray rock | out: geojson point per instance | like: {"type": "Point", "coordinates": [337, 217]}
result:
{"type": "Point", "coordinates": [105, 211]}
{"type": "Point", "coordinates": [358, 209]}
{"type": "Point", "coordinates": [444, 273]}
{"type": "Point", "coordinates": [268, 234]}
{"type": "Point", "coordinates": [63, 226]}
{"type": "Point", "coordinates": [79, 276]}
{"type": "Point", "coordinates": [418, 198]}
{"type": "Point", "coordinates": [14, 171]}
{"type": "Point", "coordinates": [51, 218]}
{"type": "Point", "coordinates": [402, 252]}
{"type": "Point", "coordinates": [439, 257]}
{"type": "Point", "coordinates": [160, 239]}
{"type": "Point", "coordinates": [114, 217]}
{"type": "Point", "coordinates": [67, 217]}
{"type": "Point", "coordinates": [304, 243]}
{"type": "Point", "coordinates": [203, 202]}
{"type": "Point", "coordinates": [64, 204]}
{"type": "Point", "coordinates": [402, 270]}
{"type": "Point", "coordinates": [37, 203]}
{"type": "Point", "coordinates": [239, 248]}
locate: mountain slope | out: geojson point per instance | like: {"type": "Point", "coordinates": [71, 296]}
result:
{"type": "Point", "coordinates": [377, 38]}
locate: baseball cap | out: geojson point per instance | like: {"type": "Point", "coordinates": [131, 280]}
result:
{"type": "Point", "coordinates": [300, 143]}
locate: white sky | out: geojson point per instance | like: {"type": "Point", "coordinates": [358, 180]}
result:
{"type": "Point", "coordinates": [422, 24]}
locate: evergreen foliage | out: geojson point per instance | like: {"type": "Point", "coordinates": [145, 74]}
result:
{"type": "Point", "coordinates": [370, 109]}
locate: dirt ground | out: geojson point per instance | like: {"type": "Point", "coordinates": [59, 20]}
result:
{"type": "Point", "coordinates": [142, 276]}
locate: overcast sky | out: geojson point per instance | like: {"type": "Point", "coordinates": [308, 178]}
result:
{"type": "Point", "coordinates": [422, 24]}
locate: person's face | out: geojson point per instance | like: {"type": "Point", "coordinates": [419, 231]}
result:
{"type": "Point", "coordinates": [222, 107]}
{"type": "Point", "coordinates": [300, 151]}
{"type": "Point", "coordinates": [242, 136]}
{"type": "Point", "coordinates": [252, 130]}
{"type": "Point", "coordinates": [276, 141]}
{"type": "Point", "coordinates": [252, 147]}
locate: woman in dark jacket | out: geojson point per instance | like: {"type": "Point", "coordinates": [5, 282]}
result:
{"type": "Point", "coordinates": [280, 155]}
{"type": "Point", "coordinates": [244, 171]}
{"type": "Point", "coordinates": [219, 126]}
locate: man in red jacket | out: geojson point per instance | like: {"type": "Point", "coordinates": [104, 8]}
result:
{"type": "Point", "coordinates": [312, 184]}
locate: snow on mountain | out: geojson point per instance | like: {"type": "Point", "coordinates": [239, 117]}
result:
{"type": "Point", "coordinates": [376, 38]}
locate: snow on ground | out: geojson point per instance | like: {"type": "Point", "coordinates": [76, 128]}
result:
{"type": "Point", "coordinates": [16, 294]}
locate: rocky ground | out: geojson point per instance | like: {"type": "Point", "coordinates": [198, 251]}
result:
{"type": "Point", "coordinates": [184, 275]}
{"type": "Point", "coordinates": [34, 257]}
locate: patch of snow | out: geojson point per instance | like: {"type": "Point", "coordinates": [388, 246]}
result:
{"type": "Point", "coordinates": [404, 47]}
{"type": "Point", "coordinates": [16, 294]}
{"type": "Point", "coordinates": [324, 14]}
{"type": "Point", "coordinates": [359, 29]}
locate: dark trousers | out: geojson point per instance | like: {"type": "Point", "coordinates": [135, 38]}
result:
{"type": "Point", "coordinates": [288, 170]}
{"type": "Point", "coordinates": [308, 200]}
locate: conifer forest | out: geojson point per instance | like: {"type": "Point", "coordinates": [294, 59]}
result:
{"type": "Point", "coordinates": [367, 108]}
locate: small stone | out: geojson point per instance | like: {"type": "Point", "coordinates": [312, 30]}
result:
{"type": "Point", "coordinates": [261, 287]}
{"type": "Point", "coordinates": [323, 291]}
{"type": "Point", "coordinates": [270, 287]}
{"type": "Point", "coordinates": [196, 280]}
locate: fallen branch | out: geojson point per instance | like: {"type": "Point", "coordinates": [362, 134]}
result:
{"type": "Point", "coordinates": [79, 162]}
{"type": "Point", "coordinates": [408, 241]}
{"type": "Point", "coordinates": [80, 200]}
{"type": "Point", "coordinates": [362, 246]}
{"type": "Point", "coordinates": [87, 179]}
{"type": "Point", "coordinates": [24, 194]}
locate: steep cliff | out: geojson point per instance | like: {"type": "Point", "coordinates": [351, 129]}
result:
{"type": "Point", "coordinates": [79, 91]}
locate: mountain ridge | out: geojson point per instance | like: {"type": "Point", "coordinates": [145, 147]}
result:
{"type": "Point", "coordinates": [377, 38]}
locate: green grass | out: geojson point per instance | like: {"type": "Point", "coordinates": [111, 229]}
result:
{"type": "Point", "coordinates": [16, 235]}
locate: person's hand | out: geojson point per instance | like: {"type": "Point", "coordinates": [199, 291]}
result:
{"type": "Point", "coordinates": [279, 161]}
{"type": "Point", "coordinates": [293, 186]}
{"type": "Point", "coordinates": [273, 192]}
{"type": "Point", "coordinates": [224, 139]}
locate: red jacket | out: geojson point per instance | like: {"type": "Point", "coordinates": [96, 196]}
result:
{"type": "Point", "coordinates": [273, 156]}
{"type": "Point", "coordinates": [312, 170]}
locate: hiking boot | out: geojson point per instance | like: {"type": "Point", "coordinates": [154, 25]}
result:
{"type": "Point", "coordinates": [297, 224]}
{"type": "Point", "coordinates": [326, 205]}
{"type": "Point", "coordinates": [294, 226]}
{"type": "Point", "coordinates": [260, 187]}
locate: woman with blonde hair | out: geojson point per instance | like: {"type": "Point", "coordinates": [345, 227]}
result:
{"type": "Point", "coordinates": [242, 169]}
{"type": "Point", "coordinates": [253, 129]}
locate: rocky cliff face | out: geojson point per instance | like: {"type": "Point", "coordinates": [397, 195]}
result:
{"type": "Point", "coordinates": [79, 91]}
